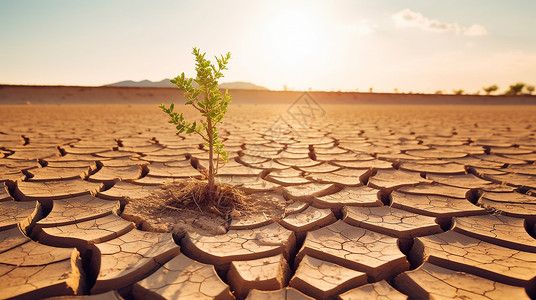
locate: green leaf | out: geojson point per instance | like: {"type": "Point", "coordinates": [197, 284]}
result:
{"type": "Point", "coordinates": [213, 103]}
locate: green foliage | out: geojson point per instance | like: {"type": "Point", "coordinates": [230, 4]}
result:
{"type": "Point", "coordinates": [458, 92]}
{"type": "Point", "coordinates": [530, 89]}
{"type": "Point", "coordinates": [490, 89]}
{"type": "Point", "coordinates": [208, 100]}
{"type": "Point", "coordinates": [515, 89]}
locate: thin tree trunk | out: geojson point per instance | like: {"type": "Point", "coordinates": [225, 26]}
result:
{"type": "Point", "coordinates": [210, 160]}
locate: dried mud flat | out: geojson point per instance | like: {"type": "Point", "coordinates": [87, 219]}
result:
{"type": "Point", "coordinates": [364, 202]}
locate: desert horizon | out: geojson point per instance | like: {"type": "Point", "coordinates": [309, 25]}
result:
{"type": "Point", "coordinates": [517, 89]}
{"type": "Point", "coordinates": [23, 94]}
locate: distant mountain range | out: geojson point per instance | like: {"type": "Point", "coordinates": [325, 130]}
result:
{"type": "Point", "coordinates": [165, 83]}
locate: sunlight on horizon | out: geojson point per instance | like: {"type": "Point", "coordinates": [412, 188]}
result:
{"type": "Point", "coordinates": [321, 45]}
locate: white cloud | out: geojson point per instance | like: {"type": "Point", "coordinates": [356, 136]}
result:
{"type": "Point", "coordinates": [476, 30]}
{"type": "Point", "coordinates": [408, 18]}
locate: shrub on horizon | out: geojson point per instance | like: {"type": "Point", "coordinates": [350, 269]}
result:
{"type": "Point", "coordinates": [515, 89]}
{"type": "Point", "coordinates": [490, 89]}
{"type": "Point", "coordinates": [530, 89]}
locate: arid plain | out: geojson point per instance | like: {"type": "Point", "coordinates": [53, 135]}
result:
{"type": "Point", "coordinates": [362, 201]}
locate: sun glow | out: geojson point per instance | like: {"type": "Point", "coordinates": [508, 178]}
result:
{"type": "Point", "coordinates": [292, 38]}
{"type": "Point", "coordinates": [305, 47]}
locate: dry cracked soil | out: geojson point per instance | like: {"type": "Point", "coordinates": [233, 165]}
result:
{"type": "Point", "coordinates": [351, 202]}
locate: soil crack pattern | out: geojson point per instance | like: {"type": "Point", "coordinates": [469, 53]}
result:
{"type": "Point", "coordinates": [369, 202]}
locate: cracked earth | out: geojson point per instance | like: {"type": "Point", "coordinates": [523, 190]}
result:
{"type": "Point", "coordinates": [366, 202]}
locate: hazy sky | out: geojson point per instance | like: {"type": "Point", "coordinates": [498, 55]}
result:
{"type": "Point", "coordinates": [417, 45]}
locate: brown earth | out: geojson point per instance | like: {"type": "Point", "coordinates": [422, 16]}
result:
{"type": "Point", "coordinates": [351, 201]}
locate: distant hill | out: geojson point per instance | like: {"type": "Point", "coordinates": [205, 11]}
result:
{"type": "Point", "coordinates": [165, 83]}
{"type": "Point", "coordinates": [242, 85]}
{"type": "Point", "coordinates": [147, 83]}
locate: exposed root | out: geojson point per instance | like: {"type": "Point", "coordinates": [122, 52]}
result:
{"type": "Point", "coordinates": [185, 205]}
{"type": "Point", "coordinates": [196, 195]}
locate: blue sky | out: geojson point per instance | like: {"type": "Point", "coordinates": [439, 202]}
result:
{"type": "Point", "coordinates": [419, 46]}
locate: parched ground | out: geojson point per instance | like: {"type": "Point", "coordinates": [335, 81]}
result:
{"type": "Point", "coordinates": [362, 202]}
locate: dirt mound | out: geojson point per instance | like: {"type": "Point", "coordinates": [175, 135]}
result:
{"type": "Point", "coordinates": [184, 206]}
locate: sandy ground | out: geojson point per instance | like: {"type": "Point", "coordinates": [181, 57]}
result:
{"type": "Point", "coordinates": [352, 201]}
